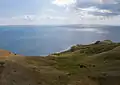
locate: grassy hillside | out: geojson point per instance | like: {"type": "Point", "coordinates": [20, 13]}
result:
{"type": "Point", "coordinates": [94, 64]}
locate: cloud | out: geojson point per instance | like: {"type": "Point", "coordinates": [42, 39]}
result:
{"type": "Point", "coordinates": [104, 8]}
{"type": "Point", "coordinates": [94, 9]}
{"type": "Point", "coordinates": [97, 11]}
{"type": "Point", "coordinates": [80, 12]}
{"type": "Point", "coordinates": [63, 2]}
{"type": "Point", "coordinates": [37, 17]}
{"type": "Point", "coordinates": [24, 17]}
{"type": "Point", "coordinates": [33, 20]}
{"type": "Point", "coordinates": [101, 8]}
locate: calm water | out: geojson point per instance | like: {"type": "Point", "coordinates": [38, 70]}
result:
{"type": "Point", "coordinates": [43, 40]}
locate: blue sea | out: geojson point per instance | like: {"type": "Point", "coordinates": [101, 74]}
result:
{"type": "Point", "coordinates": [44, 40]}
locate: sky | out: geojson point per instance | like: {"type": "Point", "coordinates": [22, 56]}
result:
{"type": "Point", "coordinates": [59, 12]}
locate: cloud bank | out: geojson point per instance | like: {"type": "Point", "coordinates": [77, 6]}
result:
{"type": "Point", "coordinates": [59, 12]}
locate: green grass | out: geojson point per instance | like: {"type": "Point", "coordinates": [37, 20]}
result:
{"type": "Point", "coordinates": [99, 60]}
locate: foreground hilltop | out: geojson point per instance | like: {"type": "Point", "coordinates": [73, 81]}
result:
{"type": "Point", "coordinates": [94, 64]}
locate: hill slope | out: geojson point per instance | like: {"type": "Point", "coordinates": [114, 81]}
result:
{"type": "Point", "coordinates": [94, 64]}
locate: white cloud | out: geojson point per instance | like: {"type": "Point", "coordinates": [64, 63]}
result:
{"type": "Point", "coordinates": [108, 2]}
{"type": "Point", "coordinates": [58, 20]}
{"type": "Point", "coordinates": [24, 17]}
{"type": "Point", "coordinates": [62, 17]}
{"type": "Point", "coordinates": [33, 20]}
{"type": "Point", "coordinates": [63, 2]}
{"type": "Point", "coordinates": [94, 9]}
{"type": "Point", "coordinates": [94, 13]}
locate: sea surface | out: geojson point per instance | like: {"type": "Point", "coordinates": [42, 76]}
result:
{"type": "Point", "coordinates": [44, 40]}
